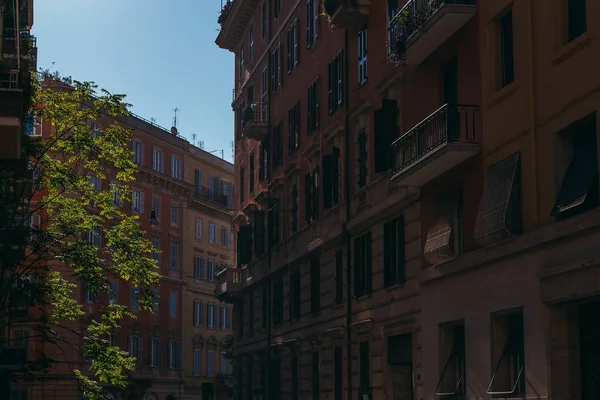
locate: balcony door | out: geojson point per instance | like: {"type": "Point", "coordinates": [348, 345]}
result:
{"type": "Point", "coordinates": [250, 94]}
{"type": "Point", "coordinates": [451, 98]}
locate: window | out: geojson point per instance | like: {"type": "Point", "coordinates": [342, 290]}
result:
{"type": "Point", "coordinates": [331, 178]}
{"type": "Point", "coordinates": [338, 373]}
{"type": "Point", "coordinates": [251, 312]}
{"type": "Point", "coordinates": [277, 301]}
{"type": "Point", "coordinates": [174, 214]}
{"type": "Point", "coordinates": [117, 194]}
{"type": "Point", "coordinates": [112, 292]}
{"type": "Point", "coordinates": [276, 8]}
{"type": "Point", "coordinates": [18, 393]}
{"type": "Point", "coordinates": [263, 303]}
{"type": "Point", "coordinates": [95, 129]}
{"type": "Point", "coordinates": [173, 305]}
{"type": "Point", "coordinates": [339, 277]}
{"type": "Point", "coordinates": [312, 21]}
{"type": "Point", "coordinates": [211, 322]}
{"type": "Point", "coordinates": [295, 378]}
{"type": "Point", "coordinates": [313, 113]}
{"type": "Point", "coordinates": [174, 354]}
{"type": "Point", "coordinates": [95, 237]}
{"type": "Point", "coordinates": [213, 233]}
{"type": "Point", "coordinates": [197, 360]}
{"type": "Point", "coordinates": [198, 313]}
{"type": "Point", "coordinates": [241, 60]}
{"type": "Point", "coordinates": [251, 44]}
{"type": "Point", "coordinates": [158, 161]}
{"type": "Point", "coordinates": [226, 239]}
{"type": "Point", "coordinates": [576, 19]}
{"type": "Point", "coordinates": [263, 20]}
{"type": "Point", "coordinates": [155, 352]}
{"type": "Point", "coordinates": [176, 168]}
{"type": "Point", "coordinates": [293, 48]}
{"type": "Point", "coordinates": [212, 270]}
{"type": "Point", "coordinates": [507, 59]}
{"type": "Point", "coordinates": [138, 152]}
{"type": "Point", "coordinates": [275, 222]}
{"type": "Point", "coordinates": [134, 299]}
{"type": "Point", "coordinates": [251, 173]}
{"type": "Point", "coordinates": [155, 300]}
{"type": "Point", "coordinates": [198, 228]}
{"type": "Point", "coordinates": [308, 196]}
{"type": "Point", "coordinates": [156, 206]}
{"type": "Point", "coordinates": [394, 260]}
{"type": "Point", "coordinates": [315, 285]}
{"type": "Point", "coordinates": [362, 56]}
{"type": "Point", "coordinates": [295, 294]}
{"type": "Point", "coordinates": [90, 293]}
{"type": "Point", "coordinates": [21, 338]}
{"type": "Point", "coordinates": [294, 128]}
{"type": "Point", "coordinates": [315, 194]}
{"type": "Point", "coordinates": [225, 318]}
{"type": "Point", "coordinates": [362, 158]}
{"type": "Point", "coordinates": [242, 179]}
{"type": "Point", "coordinates": [174, 255]}
{"type": "Point", "coordinates": [577, 163]}
{"type": "Point", "coordinates": [155, 248]}
{"type": "Point", "coordinates": [444, 238]}
{"type": "Point", "coordinates": [96, 183]}
{"type": "Point", "coordinates": [294, 213]}
{"type": "Point", "coordinates": [264, 92]}
{"type": "Point", "coordinates": [135, 348]}
{"type": "Point", "coordinates": [276, 74]}
{"type": "Point", "coordinates": [362, 265]}
{"type": "Point", "coordinates": [137, 201]}
{"type": "Point", "coordinates": [364, 369]}
{"type": "Point", "coordinates": [277, 144]}
{"type": "Point", "coordinates": [198, 267]}
{"type": "Point", "coordinates": [452, 379]}
{"type": "Point", "coordinates": [316, 375]}
{"type": "Point", "coordinates": [210, 363]}
{"type": "Point", "coordinates": [385, 132]}
{"type": "Point", "coordinates": [223, 363]}
{"type": "Point", "coordinates": [335, 83]}
{"type": "Point", "coordinates": [508, 346]}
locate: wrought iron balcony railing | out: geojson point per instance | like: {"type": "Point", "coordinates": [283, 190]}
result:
{"type": "Point", "coordinates": [229, 282]}
{"type": "Point", "coordinates": [253, 112]}
{"type": "Point", "coordinates": [448, 124]}
{"type": "Point", "coordinates": [214, 196]}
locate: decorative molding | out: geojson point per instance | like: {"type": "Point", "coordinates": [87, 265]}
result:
{"type": "Point", "coordinates": [334, 130]}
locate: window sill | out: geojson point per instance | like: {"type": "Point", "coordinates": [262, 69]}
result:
{"type": "Point", "coordinates": [502, 94]}
{"type": "Point", "coordinates": [571, 48]}
{"type": "Point", "coordinates": [337, 306]}
{"type": "Point", "coordinates": [362, 298]}
{"type": "Point", "coordinates": [395, 286]}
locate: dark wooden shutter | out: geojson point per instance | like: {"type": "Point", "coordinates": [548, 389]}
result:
{"type": "Point", "coordinates": [290, 131]}
{"type": "Point", "coordinates": [335, 175]}
{"type": "Point", "coordinates": [368, 260]}
{"type": "Point", "coordinates": [297, 122]}
{"type": "Point", "coordinates": [387, 248]}
{"type": "Point", "coordinates": [290, 49]}
{"type": "Point", "coordinates": [391, 112]}
{"type": "Point", "coordinates": [307, 197]}
{"type": "Point", "coordinates": [380, 138]}
{"type": "Point", "coordinates": [330, 86]}
{"type": "Point", "coordinates": [297, 46]}
{"type": "Point", "coordinates": [365, 371]}
{"type": "Point", "coordinates": [244, 244]}
{"type": "Point", "coordinates": [401, 251]}
{"type": "Point", "coordinates": [315, 194]}
{"type": "Point", "coordinates": [259, 232]}
{"type": "Point", "coordinates": [327, 180]}
{"type": "Point", "coordinates": [358, 266]}
{"type": "Point", "coordinates": [309, 114]}
{"type": "Point", "coordinates": [316, 101]}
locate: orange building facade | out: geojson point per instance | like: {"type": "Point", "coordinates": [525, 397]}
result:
{"type": "Point", "coordinates": [416, 191]}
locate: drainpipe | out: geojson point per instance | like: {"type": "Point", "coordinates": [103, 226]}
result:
{"type": "Point", "coordinates": [267, 389]}
{"type": "Point", "coordinates": [532, 118]}
{"type": "Point", "coordinates": [345, 226]}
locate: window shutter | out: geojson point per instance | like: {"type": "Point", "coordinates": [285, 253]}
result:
{"type": "Point", "coordinates": [289, 50]}
{"type": "Point", "coordinates": [290, 131]}
{"type": "Point", "coordinates": [215, 317]}
{"type": "Point", "coordinates": [307, 197]}
{"type": "Point", "coordinates": [309, 17]}
{"type": "Point", "coordinates": [391, 111]}
{"type": "Point", "coordinates": [297, 123]}
{"type": "Point", "coordinates": [327, 180]}
{"type": "Point", "coordinates": [317, 12]}
{"type": "Point", "coordinates": [273, 72]}
{"type": "Point", "coordinates": [259, 232]}
{"type": "Point", "coordinates": [315, 193]}
{"type": "Point", "coordinates": [335, 179]}
{"type": "Point", "coordinates": [279, 62]}
{"type": "Point", "coordinates": [161, 157]}
{"type": "Point", "coordinates": [340, 76]}
{"type": "Point", "coordinates": [309, 104]}
{"type": "Point", "coordinates": [368, 263]}
{"type": "Point", "coordinates": [141, 202]}
{"type": "Point", "coordinates": [316, 101]}
{"type": "Point", "coordinates": [358, 265]}
{"type": "Point", "coordinates": [330, 87]}
{"type": "Point", "coordinates": [141, 150]}
{"type": "Point", "coordinates": [297, 41]}
{"type": "Point", "coordinates": [380, 135]}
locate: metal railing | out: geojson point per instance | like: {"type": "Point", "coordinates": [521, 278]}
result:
{"type": "Point", "coordinates": [253, 112]}
{"type": "Point", "coordinates": [215, 196]}
{"type": "Point", "coordinates": [228, 276]}
{"type": "Point", "coordinates": [447, 124]}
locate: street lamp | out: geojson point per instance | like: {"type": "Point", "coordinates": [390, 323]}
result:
{"type": "Point", "coordinates": [153, 220]}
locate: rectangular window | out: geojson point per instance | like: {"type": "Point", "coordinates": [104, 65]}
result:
{"type": "Point", "coordinates": [176, 168]}
{"type": "Point", "coordinates": [277, 146]}
{"type": "Point", "coordinates": [315, 194]}
{"type": "Point", "coordinates": [198, 313]}
{"type": "Point", "coordinates": [155, 352]}
{"type": "Point", "coordinates": [278, 302]}
{"type": "Point", "coordinates": [338, 373]}
{"type": "Point", "coordinates": [293, 49]}
{"type": "Point", "coordinates": [276, 8]}
{"type": "Point", "coordinates": [19, 393]}
{"type": "Point", "coordinates": [95, 237]}
{"type": "Point", "coordinates": [576, 19]}
{"type": "Point", "coordinates": [138, 152]}
{"type": "Point", "coordinates": [210, 363]}
{"type": "Point", "coordinates": [452, 350]}
{"type": "Point", "coordinates": [112, 292]}
{"type": "Point", "coordinates": [158, 161]}
{"type": "Point", "coordinates": [263, 20]}
{"type": "Point", "coordinates": [363, 274]}
{"type": "Point", "coordinates": [507, 57]}
{"type": "Point", "coordinates": [212, 270]}
{"type": "Point", "coordinates": [364, 369]}
{"type": "Point", "coordinates": [241, 60]}
{"type": "Point", "coordinates": [315, 285]}
{"type": "Point", "coordinates": [156, 207]}
{"type": "Point", "coordinates": [362, 56]}
{"type": "Point", "coordinates": [197, 360]}
{"type": "Point", "coordinates": [295, 294]}
{"type": "Point", "coordinates": [242, 181]}
{"type": "Point", "coordinates": [251, 44]}
{"type": "Point", "coordinates": [264, 308]}
{"type": "Point", "coordinates": [21, 338]}
{"type": "Point", "coordinates": [294, 128]}
{"type": "Point", "coordinates": [134, 299]}
{"type": "Point", "coordinates": [198, 267]}
{"type": "Point", "coordinates": [224, 363]}
{"type": "Point", "coordinates": [313, 112]}
{"type": "Point", "coordinates": [135, 349]}
{"type": "Point", "coordinates": [362, 158]}
{"type": "Point", "coordinates": [213, 233]}
{"type": "Point", "coordinates": [335, 80]}
{"type": "Point", "coordinates": [313, 13]}
{"type": "Point", "coordinates": [138, 201]}
{"type": "Point", "coordinates": [155, 248]}
{"type": "Point", "coordinates": [198, 228]}
{"type": "Point", "coordinates": [294, 209]}
{"type": "Point", "coordinates": [174, 214]}
{"type": "Point", "coordinates": [339, 277]}
{"type": "Point", "coordinates": [276, 63]}
{"type": "Point", "coordinates": [117, 194]}
{"type": "Point", "coordinates": [295, 378]}
{"type": "Point", "coordinates": [251, 312]}
{"type": "Point", "coordinates": [90, 294]}
{"type": "Point", "coordinates": [316, 375]}
{"type": "Point", "coordinates": [212, 315]}
{"type": "Point", "coordinates": [508, 346]}
{"type": "Point", "coordinates": [263, 98]}
{"type": "Point", "coordinates": [225, 320]}
{"type": "Point", "coordinates": [173, 305]}
{"type": "Point", "coordinates": [251, 173]}
{"type": "Point", "coordinates": [174, 256]}
{"type": "Point", "coordinates": [308, 198]}
{"type": "Point", "coordinates": [394, 260]}
{"type": "Point", "coordinates": [174, 354]}
{"type": "Point", "coordinates": [155, 300]}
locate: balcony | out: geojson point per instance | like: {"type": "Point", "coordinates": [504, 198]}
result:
{"type": "Point", "coordinates": [437, 144]}
{"type": "Point", "coordinates": [254, 121]}
{"type": "Point", "coordinates": [421, 26]}
{"type": "Point", "coordinates": [213, 196]}
{"type": "Point", "coordinates": [11, 108]}
{"type": "Point", "coordinates": [234, 19]}
{"type": "Point", "coordinates": [229, 284]}
{"type": "Point", "coordinates": [26, 50]}
{"type": "Point", "coordinates": [348, 14]}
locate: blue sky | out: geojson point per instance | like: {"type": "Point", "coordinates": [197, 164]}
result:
{"type": "Point", "coordinates": [161, 54]}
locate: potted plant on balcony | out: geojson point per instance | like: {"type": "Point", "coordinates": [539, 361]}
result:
{"type": "Point", "coordinates": [225, 11]}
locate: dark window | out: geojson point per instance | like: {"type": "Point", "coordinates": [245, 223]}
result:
{"type": "Point", "coordinates": [313, 113]}
{"type": "Point", "coordinates": [294, 128]}
{"type": "Point", "coordinates": [363, 274]}
{"type": "Point", "coordinates": [251, 176]}
{"type": "Point", "coordinates": [274, 221]}
{"type": "Point", "coordinates": [339, 277]}
{"type": "Point", "coordinates": [294, 224]}
{"type": "Point", "coordinates": [275, 376]}
{"type": "Point", "coordinates": [308, 185]}
{"type": "Point", "coordinates": [362, 56]}
{"type": "Point", "coordinates": [295, 294]}
{"type": "Point", "coordinates": [394, 262]}
{"type": "Point", "coordinates": [385, 124]}
{"type": "Point", "coordinates": [315, 194]}
{"type": "Point", "coordinates": [313, 11]}
{"type": "Point", "coordinates": [315, 375]}
{"type": "Point", "coordinates": [250, 377]}
{"type": "Point", "coordinates": [244, 245]}
{"type": "Point", "coordinates": [263, 21]}
{"type": "Point", "coordinates": [264, 160]}
{"type": "Point", "coordinates": [295, 378]}
{"type": "Point", "coordinates": [452, 380]}
{"type": "Point", "coordinates": [259, 232]}
{"type": "Point", "coordinates": [579, 189]}
{"type": "Point", "coordinates": [508, 379]}
{"type": "Point", "coordinates": [338, 373]}
{"type": "Point", "coordinates": [276, 72]}
{"type": "Point", "coordinates": [242, 179]}
{"type": "Point", "coordinates": [293, 46]}
{"type": "Point", "coordinates": [276, 8]}
{"type": "Point", "coordinates": [507, 57]}
{"type": "Point", "coordinates": [277, 145]}
{"type": "Point", "coordinates": [335, 83]}
{"type": "Point", "coordinates": [277, 301]}
{"type": "Point", "coordinates": [263, 303]}
{"type": "Point", "coordinates": [576, 22]}
{"type": "Point", "coordinates": [331, 178]}
{"type": "Point", "coordinates": [365, 372]}
{"type": "Point", "coordinates": [251, 312]}
{"type": "Point", "coordinates": [315, 285]}
{"type": "Point", "coordinates": [362, 158]}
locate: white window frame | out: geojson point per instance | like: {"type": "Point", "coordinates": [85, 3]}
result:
{"type": "Point", "coordinates": [155, 350]}
{"type": "Point", "coordinates": [199, 228]}
{"type": "Point", "coordinates": [213, 234]}
{"type": "Point", "coordinates": [158, 160]}
{"type": "Point", "coordinates": [225, 314]}
{"type": "Point", "coordinates": [38, 127]}
{"type": "Point", "coordinates": [135, 348]}
{"type": "Point", "coordinates": [174, 354]}
{"type": "Point", "coordinates": [156, 245]}
{"type": "Point", "coordinates": [211, 321]}
{"type": "Point", "coordinates": [116, 195]}
{"type": "Point", "coordinates": [199, 272]}
{"type": "Point", "coordinates": [176, 167]}
{"type": "Point", "coordinates": [135, 304]}
{"type": "Point", "coordinates": [198, 313]}
{"type": "Point", "coordinates": [362, 55]}
{"type": "Point", "coordinates": [212, 270]}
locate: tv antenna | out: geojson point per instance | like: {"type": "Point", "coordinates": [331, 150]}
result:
{"type": "Point", "coordinates": [201, 144]}
{"type": "Point", "coordinates": [153, 121]}
{"type": "Point", "coordinates": [175, 110]}
{"type": "Point", "coordinates": [194, 139]}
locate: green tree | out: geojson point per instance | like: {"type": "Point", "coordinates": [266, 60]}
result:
{"type": "Point", "coordinates": [43, 264]}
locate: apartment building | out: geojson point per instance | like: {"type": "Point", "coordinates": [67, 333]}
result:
{"type": "Point", "coordinates": [448, 249]}
{"type": "Point", "coordinates": [19, 51]}
{"type": "Point", "coordinates": [208, 248]}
